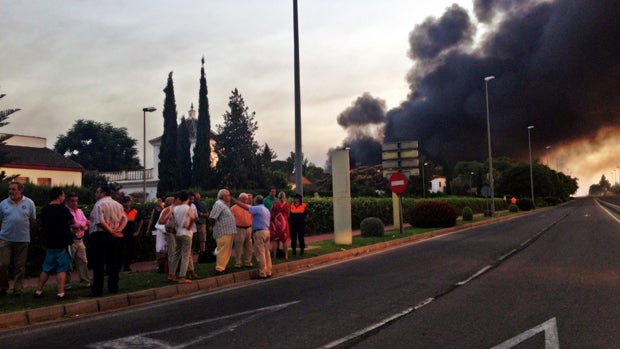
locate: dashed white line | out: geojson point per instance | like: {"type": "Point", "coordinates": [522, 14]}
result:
{"type": "Point", "coordinates": [480, 272]}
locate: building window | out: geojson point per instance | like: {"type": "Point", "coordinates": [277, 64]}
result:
{"type": "Point", "coordinates": [46, 182]}
{"type": "Point", "coordinates": [23, 180]}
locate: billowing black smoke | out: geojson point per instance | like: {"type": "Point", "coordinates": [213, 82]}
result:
{"type": "Point", "coordinates": [363, 121]}
{"type": "Point", "coordinates": [556, 66]}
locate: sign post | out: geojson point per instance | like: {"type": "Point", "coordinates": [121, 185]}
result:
{"type": "Point", "coordinates": [398, 184]}
{"type": "Point", "coordinates": [399, 157]}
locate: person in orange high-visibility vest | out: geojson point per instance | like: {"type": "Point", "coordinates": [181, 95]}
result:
{"type": "Point", "coordinates": [131, 231]}
{"type": "Point", "coordinates": [297, 218]}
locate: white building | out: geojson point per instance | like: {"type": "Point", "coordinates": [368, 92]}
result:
{"type": "Point", "coordinates": [438, 184]}
{"type": "Point", "coordinates": [32, 162]}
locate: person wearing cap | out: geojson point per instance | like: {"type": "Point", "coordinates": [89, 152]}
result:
{"type": "Point", "coordinates": [78, 248]}
{"type": "Point", "coordinates": [131, 231]}
{"type": "Point", "coordinates": [297, 218]}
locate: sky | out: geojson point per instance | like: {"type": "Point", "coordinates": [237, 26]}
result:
{"type": "Point", "coordinates": [370, 71]}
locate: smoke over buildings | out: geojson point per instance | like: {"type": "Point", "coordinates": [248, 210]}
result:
{"type": "Point", "coordinates": [556, 66]}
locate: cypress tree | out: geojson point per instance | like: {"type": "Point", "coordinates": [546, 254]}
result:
{"type": "Point", "coordinates": [238, 158]}
{"type": "Point", "coordinates": [184, 161]}
{"type": "Point", "coordinates": [201, 174]}
{"type": "Point", "coordinates": [168, 171]}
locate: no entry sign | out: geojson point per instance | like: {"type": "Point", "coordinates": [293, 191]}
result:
{"type": "Point", "coordinates": [398, 183]}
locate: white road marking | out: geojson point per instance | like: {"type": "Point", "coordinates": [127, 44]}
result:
{"type": "Point", "coordinates": [367, 329]}
{"type": "Point", "coordinates": [550, 327]}
{"type": "Point", "coordinates": [480, 272]}
{"type": "Point", "coordinates": [607, 211]}
{"type": "Point", "coordinates": [143, 341]}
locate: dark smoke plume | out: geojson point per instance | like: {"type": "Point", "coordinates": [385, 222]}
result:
{"type": "Point", "coordinates": [363, 121]}
{"type": "Point", "coordinates": [556, 66]}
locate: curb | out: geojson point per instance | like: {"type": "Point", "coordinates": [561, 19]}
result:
{"type": "Point", "coordinates": [87, 307]}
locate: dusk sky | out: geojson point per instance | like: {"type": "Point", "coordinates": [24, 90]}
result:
{"type": "Point", "coordinates": [105, 60]}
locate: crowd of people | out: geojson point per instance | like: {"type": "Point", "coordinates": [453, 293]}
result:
{"type": "Point", "coordinates": [254, 226]}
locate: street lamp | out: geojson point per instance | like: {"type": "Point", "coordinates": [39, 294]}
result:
{"type": "Point", "coordinates": [486, 88]}
{"type": "Point", "coordinates": [423, 181]}
{"type": "Point", "coordinates": [529, 143]}
{"type": "Point", "coordinates": [144, 110]}
{"type": "Point", "coordinates": [547, 154]}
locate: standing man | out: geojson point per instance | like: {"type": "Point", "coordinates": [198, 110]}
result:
{"type": "Point", "coordinates": [201, 223]}
{"type": "Point", "coordinates": [17, 214]}
{"type": "Point", "coordinates": [131, 231]}
{"type": "Point", "coordinates": [243, 238]}
{"type": "Point", "coordinates": [78, 247]}
{"type": "Point", "coordinates": [224, 230]}
{"type": "Point", "coordinates": [57, 221]}
{"type": "Point", "coordinates": [269, 200]}
{"type": "Point", "coordinates": [261, 218]}
{"type": "Point", "coordinates": [106, 234]}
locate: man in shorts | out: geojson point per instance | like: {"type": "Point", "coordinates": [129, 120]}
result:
{"type": "Point", "coordinates": [56, 220]}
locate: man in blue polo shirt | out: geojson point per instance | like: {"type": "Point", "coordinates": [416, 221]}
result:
{"type": "Point", "coordinates": [17, 213]}
{"type": "Point", "coordinates": [261, 218]}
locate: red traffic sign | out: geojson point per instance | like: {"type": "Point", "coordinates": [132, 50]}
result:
{"type": "Point", "coordinates": [398, 183]}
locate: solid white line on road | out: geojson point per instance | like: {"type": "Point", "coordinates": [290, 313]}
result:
{"type": "Point", "coordinates": [480, 272]}
{"type": "Point", "coordinates": [607, 211]}
{"type": "Point", "coordinates": [550, 327]}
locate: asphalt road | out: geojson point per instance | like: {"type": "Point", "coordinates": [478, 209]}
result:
{"type": "Point", "coordinates": [550, 279]}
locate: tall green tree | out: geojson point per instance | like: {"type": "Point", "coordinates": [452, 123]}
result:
{"type": "Point", "coordinates": [184, 160]}
{"type": "Point", "coordinates": [99, 146]}
{"type": "Point", "coordinates": [238, 164]}
{"type": "Point", "coordinates": [168, 171]}
{"type": "Point", "coordinates": [4, 157]}
{"type": "Point", "coordinates": [267, 156]}
{"type": "Point", "coordinates": [202, 173]}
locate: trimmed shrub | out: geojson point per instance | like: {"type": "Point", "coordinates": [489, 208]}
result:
{"type": "Point", "coordinates": [525, 204]}
{"type": "Point", "coordinates": [372, 226]}
{"type": "Point", "coordinates": [432, 214]}
{"type": "Point", "coordinates": [513, 208]}
{"type": "Point", "coordinates": [468, 214]}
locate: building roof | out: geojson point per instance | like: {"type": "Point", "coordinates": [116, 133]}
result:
{"type": "Point", "coordinates": [305, 181]}
{"type": "Point", "coordinates": [38, 158]}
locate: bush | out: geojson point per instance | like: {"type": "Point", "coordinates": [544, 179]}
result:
{"type": "Point", "coordinates": [525, 204]}
{"type": "Point", "coordinates": [468, 214]}
{"type": "Point", "coordinates": [432, 214]}
{"type": "Point", "coordinates": [513, 208]}
{"type": "Point", "coordinates": [372, 226]}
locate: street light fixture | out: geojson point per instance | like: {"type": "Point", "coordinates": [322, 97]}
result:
{"type": "Point", "coordinates": [144, 111]}
{"type": "Point", "coordinates": [529, 143]}
{"type": "Point", "coordinates": [486, 88]}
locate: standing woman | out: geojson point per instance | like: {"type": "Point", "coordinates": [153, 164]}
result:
{"type": "Point", "coordinates": [279, 224]}
{"type": "Point", "coordinates": [299, 212]}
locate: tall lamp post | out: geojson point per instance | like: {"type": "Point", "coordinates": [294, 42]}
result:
{"type": "Point", "coordinates": [144, 110]}
{"type": "Point", "coordinates": [423, 181]}
{"type": "Point", "coordinates": [486, 88]}
{"type": "Point", "coordinates": [529, 144]}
